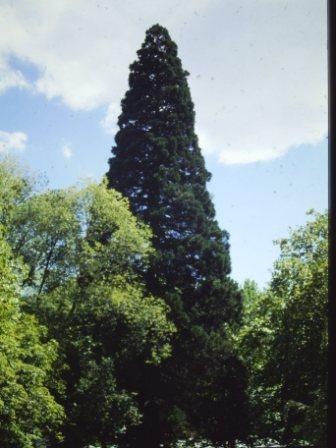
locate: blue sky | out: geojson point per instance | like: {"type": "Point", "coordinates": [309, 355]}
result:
{"type": "Point", "coordinates": [258, 80]}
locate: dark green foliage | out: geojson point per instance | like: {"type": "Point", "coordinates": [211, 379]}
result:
{"type": "Point", "coordinates": [299, 348]}
{"type": "Point", "coordinates": [158, 165]}
{"type": "Point", "coordinates": [283, 341]}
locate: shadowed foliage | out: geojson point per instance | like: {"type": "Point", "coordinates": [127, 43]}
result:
{"type": "Point", "coordinates": [158, 165]}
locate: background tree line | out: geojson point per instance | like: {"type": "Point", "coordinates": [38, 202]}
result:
{"type": "Point", "coordinates": [120, 323]}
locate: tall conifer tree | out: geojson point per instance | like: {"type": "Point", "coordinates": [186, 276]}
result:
{"type": "Point", "coordinates": [158, 165]}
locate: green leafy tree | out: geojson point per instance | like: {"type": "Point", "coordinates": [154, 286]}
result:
{"type": "Point", "coordinates": [253, 340]}
{"type": "Point", "coordinates": [29, 413]}
{"type": "Point", "coordinates": [284, 340]}
{"type": "Point", "coordinates": [158, 165]}
{"type": "Point", "coordinates": [83, 249]}
{"type": "Point", "coordinates": [300, 284]}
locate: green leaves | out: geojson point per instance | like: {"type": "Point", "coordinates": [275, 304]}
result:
{"type": "Point", "coordinates": [284, 339]}
{"type": "Point", "coordinates": [83, 252]}
{"type": "Point", "coordinates": [28, 410]}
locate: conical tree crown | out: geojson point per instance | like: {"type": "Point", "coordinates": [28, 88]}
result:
{"type": "Point", "coordinates": [158, 164]}
{"type": "Point", "coordinates": [157, 122]}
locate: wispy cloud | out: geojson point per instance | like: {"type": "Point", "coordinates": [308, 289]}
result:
{"type": "Point", "coordinates": [109, 122]}
{"type": "Point", "coordinates": [10, 78]}
{"type": "Point", "coordinates": [12, 141]}
{"type": "Point", "coordinates": [258, 68]}
{"type": "Point", "coordinates": [67, 151]}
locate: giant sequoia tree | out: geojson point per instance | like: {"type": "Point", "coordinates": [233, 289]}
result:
{"type": "Point", "coordinates": [158, 165]}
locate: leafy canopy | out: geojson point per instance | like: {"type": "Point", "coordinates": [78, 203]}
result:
{"type": "Point", "coordinates": [284, 339]}
{"type": "Point", "coordinates": [83, 249]}
{"type": "Point", "coordinates": [28, 410]}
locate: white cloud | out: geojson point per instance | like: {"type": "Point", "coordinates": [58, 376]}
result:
{"type": "Point", "coordinates": [258, 68]}
{"type": "Point", "coordinates": [10, 78]}
{"type": "Point", "coordinates": [67, 151]}
{"type": "Point", "coordinates": [109, 122]}
{"type": "Point", "coordinates": [269, 88]}
{"type": "Point", "coordinates": [12, 140]}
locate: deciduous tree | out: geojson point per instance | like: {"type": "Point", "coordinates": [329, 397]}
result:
{"type": "Point", "coordinates": [283, 340]}
{"type": "Point", "coordinates": [83, 248]}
